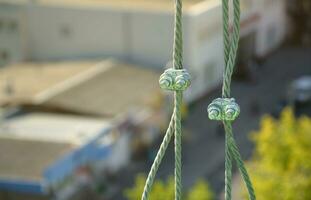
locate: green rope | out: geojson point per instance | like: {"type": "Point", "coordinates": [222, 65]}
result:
{"type": "Point", "coordinates": [178, 185]}
{"type": "Point", "coordinates": [228, 156]}
{"type": "Point", "coordinates": [177, 63]}
{"type": "Point", "coordinates": [238, 158]}
{"type": "Point", "coordinates": [226, 36]}
{"type": "Point", "coordinates": [175, 123]}
{"type": "Point", "coordinates": [230, 52]}
{"type": "Point", "coordinates": [228, 171]}
{"type": "Point", "coordinates": [226, 40]}
{"type": "Point", "coordinates": [178, 40]}
{"type": "Point", "coordinates": [156, 164]}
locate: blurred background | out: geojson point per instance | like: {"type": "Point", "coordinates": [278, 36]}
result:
{"type": "Point", "coordinates": [82, 115]}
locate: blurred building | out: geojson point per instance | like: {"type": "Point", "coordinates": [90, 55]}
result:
{"type": "Point", "coordinates": [141, 32]}
{"type": "Point", "coordinates": [67, 123]}
{"type": "Point", "coordinates": [12, 32]}
{"type": "Point", "coordinates": [43, 150]}
{"type": "Point", "coordinates": [299, 13]}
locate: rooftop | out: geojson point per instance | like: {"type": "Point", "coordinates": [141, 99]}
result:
{"type": "Point", "coordinates": [22, 82]}
{"type": "Point", "coordinates": [37, 140]}
{"type": "Point", "coordinates": [37, 156]}
{"type": "Point", "coordinates": [56, 128]}
{"type": "Point", "coordinates": [116, 89]}
{"type": "Point", "coordinates": [107, 88]}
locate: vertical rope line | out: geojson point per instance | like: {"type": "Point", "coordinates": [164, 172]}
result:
{"type": "Point", "coordinates": [228, 168]}
{"type": "Point", "coordinates": [178, 184]}
{"type": "Point", "coordinates": [156, 164]}
{"type": "Point", "coordinates": [178, 64]}
{"type": "Point", "coordinates": [230, 52]}
{"type": "Point", "coordinates": [233, 49]}
{"type": "Point", "coordinates": [175, 123]}
{"type": "Point", "coordinates": [226, 46]}
{"type": "Point", "coordinates": [178, 40]}
{"type": "Point", "coordinates": [226, 36]}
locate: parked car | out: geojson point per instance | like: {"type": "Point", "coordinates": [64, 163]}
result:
{"type": "Point", "coordinates": [298, 96]}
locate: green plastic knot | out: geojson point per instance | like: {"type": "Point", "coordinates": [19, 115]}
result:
{"type": "Point", "coordinates": [175, 79]}
{"type": "Point", "coordinates": [223, 109]}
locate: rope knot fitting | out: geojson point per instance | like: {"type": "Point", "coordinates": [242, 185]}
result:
{"type": "Point", "coordinates": [223, 109]}
{"type": "Point", "coordinates": [175, 79]}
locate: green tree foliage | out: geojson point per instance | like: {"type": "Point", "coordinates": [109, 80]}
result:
{"type": "Point", "coordinates": [281, 167]}
{"type": "Point", "coordinates": [165, 190]}
{"type": "Point", "coordinates": [200, 191]}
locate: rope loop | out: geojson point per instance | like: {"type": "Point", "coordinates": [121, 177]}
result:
{"type": "Point", "coordinates": [175, 79]}
{"type": "Point", "coordinates": [223, 109]}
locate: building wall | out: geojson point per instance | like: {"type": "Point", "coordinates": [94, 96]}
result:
{"type": "Point", "coordinates": [119, 157]}
{"type": "Point", "coordinates": [207, 51]}
{"type": "Point", "coordinates": [12, 33]}
{"type": "Point", "coordinates": [151, 38]}
{"type": "Point", "coordinates": [146, 37]}
{"type": "Point", "coordinates": [71, 32]}
{"type": "Point", "coordinates": [272, 28]}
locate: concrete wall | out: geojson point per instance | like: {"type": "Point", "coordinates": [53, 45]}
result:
{"type": "Point", "coordinates": [151, 38]}
{"type": "Point", "coordinates": [12, 33]}
{"type": "Point", "coordinates": [146, 37]}
{"type": "Point", "coordinates": [69, 32]}
{"type": "Point", "coordinates": [272, 28]}
{"type": "Point", "coordinates": [204, 51]}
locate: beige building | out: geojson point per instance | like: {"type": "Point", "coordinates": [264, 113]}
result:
{"type": "Point", "coordinates": [141, 32]}
{"type": "Point", "coordinates": [81, 114]}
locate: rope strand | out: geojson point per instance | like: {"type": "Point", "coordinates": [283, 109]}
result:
{"type": "Point", "coordinates": [177, 63]}
{"type": "Point", "coordinates": [236, 154]}
{"type": "Point", "coordinates": [226, 36]}
{"type": "Point", "coordinates": [175, 123]}
{"type": "Point", "coordinates": [178, 40]}
{"type": "Point", "coordinates": [228, 170]}
{"type": "Point", "coordinates": [178, 184]}
{"type": "Point", "coordinates": [226, 46]}
{"type": "Point", "coordinates": [156, 164]}
{"type": "Point", "coordinates": [230, 52]}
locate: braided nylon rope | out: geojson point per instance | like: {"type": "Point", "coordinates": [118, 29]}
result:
{"type": "Point", "coordinates": [230, 52]}
{"type": "Point", "coordinates": [157, 161]}
{"type": "Point", "coordinates": [177, 63]}
{"type": "Point", "coordinates": [226, 40]}
{"type": "Point", "coordinates": [175, 123]}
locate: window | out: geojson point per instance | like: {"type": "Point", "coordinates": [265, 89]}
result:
{"type": "Point", "coordinates": [65, 31]}
{"type": "Point", "coordinates": [4, 56]}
